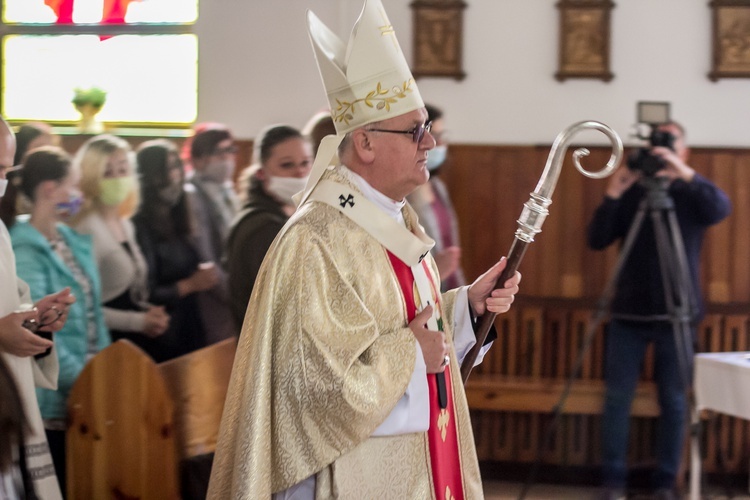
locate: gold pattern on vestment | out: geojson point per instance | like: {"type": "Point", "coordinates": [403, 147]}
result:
{"type": "Point", "coordinates": [443, 420]}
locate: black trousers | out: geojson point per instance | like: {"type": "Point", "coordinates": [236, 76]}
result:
{"type": "Point", "coordinates": [56, 440]}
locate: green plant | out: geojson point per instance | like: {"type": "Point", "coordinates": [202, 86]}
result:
{"type": "Point", "coordinates": [94, 96]}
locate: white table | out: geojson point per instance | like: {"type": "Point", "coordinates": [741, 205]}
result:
{"type": "Point", "coordinates": [722, 384]}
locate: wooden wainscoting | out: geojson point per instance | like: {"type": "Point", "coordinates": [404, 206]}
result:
{"type": "Point", "coordinates": [514, 392]}
{"type": "Point", "coordinates": [490, 184]}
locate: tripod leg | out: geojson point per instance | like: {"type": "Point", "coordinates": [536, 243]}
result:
{"type": "Point", "coordinates": [677, 293]}
{"type": "Point", "coordinates": [681, 305]}
{"type": "Point", "coordinates": [695, 455]}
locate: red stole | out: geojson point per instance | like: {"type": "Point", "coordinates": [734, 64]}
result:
{"type": "Point", "coordinates": [442, 434]}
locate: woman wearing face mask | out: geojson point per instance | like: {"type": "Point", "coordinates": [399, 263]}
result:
{"type": "Point", "coordinates": [49, 257]}
{"type": "Point", "coordinates": [284, 159]}
{"type": "Point", "coordinates": [435, 210]}
{"type": "Point", "coordinates": [164, 229]}
{"type": "Point", "coordinates": [110, 193]}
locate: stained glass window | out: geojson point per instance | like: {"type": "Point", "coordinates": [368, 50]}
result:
{"type": "Point", "coordinates": [95, 11]}
{"type": "Point", "coordinates": [142, 53]}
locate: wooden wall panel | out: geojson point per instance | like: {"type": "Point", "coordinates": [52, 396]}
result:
{"type": "Point", "coordinates": [717, 272]}
{"type": "Point", "coordinates": [739, 234]}
{"type": "Point", "coordinates": [490, 184]}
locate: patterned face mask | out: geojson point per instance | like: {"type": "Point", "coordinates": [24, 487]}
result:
{"type": "Point", "coordinates": [71, 207]}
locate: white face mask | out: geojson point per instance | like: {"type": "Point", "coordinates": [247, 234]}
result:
{"type": "Point", "coordinates": [283, 188]}
{"type": "Point", "coordinates": [3, 185]}
{"type": "Point", "coordinates": [218, 171]}
{"type": "Point", "coordinates": [436, 156]}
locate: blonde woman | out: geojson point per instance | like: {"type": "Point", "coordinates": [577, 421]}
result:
{"type": "Point", "coordinates": [110, 195]}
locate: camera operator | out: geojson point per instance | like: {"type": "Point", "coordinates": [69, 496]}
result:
{"type": "Point", "coordinates": [638, 310]}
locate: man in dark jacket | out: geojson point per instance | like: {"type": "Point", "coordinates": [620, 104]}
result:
{"type": "Point", "coordinates": [639, 313]}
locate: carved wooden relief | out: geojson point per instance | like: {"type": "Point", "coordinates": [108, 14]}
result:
{"type": "Point", "coordinates": [584, 39]}
{"type": "Point", "coordinates": [731, 39]}
{"type": "Point", "coordinates": [438, 38]}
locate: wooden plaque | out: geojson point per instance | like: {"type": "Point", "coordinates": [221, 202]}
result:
{"type": "Point", "coordinates": [730, 37]}
{"type": "Point", "coordinates": [438, 38]}
{"type": "Point", "coordinates": [584, 39]}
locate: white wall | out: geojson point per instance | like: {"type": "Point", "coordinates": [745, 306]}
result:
{"type": "Point", "coordinates": [257, 68]}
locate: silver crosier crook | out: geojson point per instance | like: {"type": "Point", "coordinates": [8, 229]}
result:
{"type": "Point", "coordinates": [535, 211]}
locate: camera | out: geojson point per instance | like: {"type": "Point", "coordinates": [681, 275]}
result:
{"type": "Point", "coordinates": [646, 162]}
{"type": "Point", "coordinates": [652, 114]}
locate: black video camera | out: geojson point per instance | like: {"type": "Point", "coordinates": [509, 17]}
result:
{"type": "Point", "coordinates": [652, 114]}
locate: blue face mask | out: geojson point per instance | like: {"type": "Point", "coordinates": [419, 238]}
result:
{"type": "Point", "coordinates": [71, 207]}
{"type": "Point", "coordinates": [436, 157]}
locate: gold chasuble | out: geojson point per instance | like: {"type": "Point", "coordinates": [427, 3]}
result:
{"type": "Point", "coordinates": [325, 354]}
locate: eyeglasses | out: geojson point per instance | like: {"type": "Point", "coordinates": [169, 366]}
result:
{"type": "Point", "coordinates": [417, 133]}
{"type": "Point", "coordinates": [47, 318]}
{"type": "Point", "coordinates": [229, 150]}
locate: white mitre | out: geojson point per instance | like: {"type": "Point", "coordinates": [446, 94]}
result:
{"type": "Point", "coordinates": [366, 80]}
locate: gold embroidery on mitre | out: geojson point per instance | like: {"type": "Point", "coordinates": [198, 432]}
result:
{"type": "Point", "coordinates": [386, 30]}
{"type": "Point", "coordinates": [345, 109]}
{"type": "Point", "coordinates": [448, 494]}
{"type": "Point", "coordinates": [442, 422]}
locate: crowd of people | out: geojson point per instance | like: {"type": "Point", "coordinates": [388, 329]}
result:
{"type": "Point", "coordinates": [347, 379]}
{"type": "Point", "coordinates": [150, 244]}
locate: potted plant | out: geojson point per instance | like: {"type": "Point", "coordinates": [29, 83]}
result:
{"type": "Point", "coordinates": [89, 102]}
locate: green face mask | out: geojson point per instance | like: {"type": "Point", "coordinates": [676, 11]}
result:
{"type": "Point", "coordinates": [115, 190]}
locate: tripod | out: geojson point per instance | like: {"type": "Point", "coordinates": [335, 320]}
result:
{"type": "Point", "coordinates": [679, 299]}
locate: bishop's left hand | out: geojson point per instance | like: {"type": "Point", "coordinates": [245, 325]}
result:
{"type": "Point", "coordinates": [482, 295]}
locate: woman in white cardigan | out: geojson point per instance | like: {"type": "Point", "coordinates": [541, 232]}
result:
{"type": "Point", "coordinates": [109, 196]}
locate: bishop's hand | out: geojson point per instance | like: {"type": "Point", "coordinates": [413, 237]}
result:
{"type": "Point", "coordinates": [434, 345]}
{"type": "Point", "coordinates": [482, 293]}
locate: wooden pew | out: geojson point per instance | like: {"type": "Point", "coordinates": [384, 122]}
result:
{"type": "Point", "coordinates": [120, 439]}
{"type": "Point", "coordinates": [132, 421]}
{"type": "Point", "coordinates": [198, 385]}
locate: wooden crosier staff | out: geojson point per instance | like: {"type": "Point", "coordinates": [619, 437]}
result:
{"type": "Point", "coordinates": [535, 211]}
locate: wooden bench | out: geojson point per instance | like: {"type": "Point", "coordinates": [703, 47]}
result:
{"type": "Point", "coordinates": [513, 394]}
{"type": "Point", "coordinates": [523, 394]}
{"type": "Point", "coordinates": [132, 421]}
